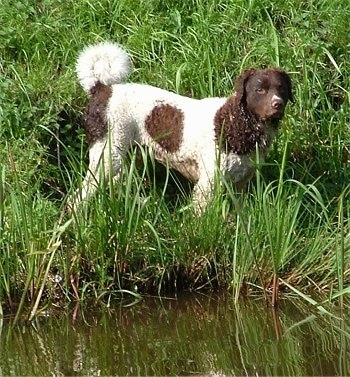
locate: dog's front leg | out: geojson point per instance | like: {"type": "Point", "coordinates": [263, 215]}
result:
{"type": "Point", "coordinates": [202, 191]}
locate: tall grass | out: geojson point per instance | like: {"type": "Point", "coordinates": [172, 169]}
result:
{"type": "Point", "coordinates": [141, 234]}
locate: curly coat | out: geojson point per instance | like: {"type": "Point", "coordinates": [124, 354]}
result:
{"type": "Point", "coordinates": [185, 133]}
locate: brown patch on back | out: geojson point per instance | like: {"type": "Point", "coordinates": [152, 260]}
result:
{"type": "Point", "coordinates": [165, 125]}
{"type": "Point", "coordinates": [95, 123]}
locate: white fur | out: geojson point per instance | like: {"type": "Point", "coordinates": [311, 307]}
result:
{"type": "Point", "coordinates": [105, 62]}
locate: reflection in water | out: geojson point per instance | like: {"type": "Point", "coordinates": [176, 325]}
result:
{"type": "Point", "coordinates": [190, 335]}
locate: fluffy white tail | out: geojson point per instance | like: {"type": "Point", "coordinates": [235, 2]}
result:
{"type": "Point", "coordinates": [104, 62]}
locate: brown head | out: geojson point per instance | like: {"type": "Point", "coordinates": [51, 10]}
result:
{"type": "Point", "coordinates": [261, 97]}
{"type": "Point", "coordinates": [264, 93]}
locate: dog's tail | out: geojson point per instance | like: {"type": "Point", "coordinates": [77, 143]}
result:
{"type": "Point", "coordinates": [104, 62]}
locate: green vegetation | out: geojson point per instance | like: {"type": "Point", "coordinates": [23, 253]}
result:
{"type": "Point", "coordinates": [141, 235]}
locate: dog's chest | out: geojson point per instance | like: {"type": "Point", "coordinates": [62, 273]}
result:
{"type": "Point", "coordinates": [239, 168]}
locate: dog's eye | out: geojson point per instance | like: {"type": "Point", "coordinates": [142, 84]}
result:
{"type": "Point", "coordinates": [261, 90]}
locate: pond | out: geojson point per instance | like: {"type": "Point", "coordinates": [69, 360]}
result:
{"type": "Point", "coordinates": [187, 335]}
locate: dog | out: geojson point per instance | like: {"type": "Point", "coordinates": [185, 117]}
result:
{"type": "Point", "coordinates": [192, 136]}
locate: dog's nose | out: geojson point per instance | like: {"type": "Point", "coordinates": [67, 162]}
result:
{"type": "Point", "coordinates": [277, 103]}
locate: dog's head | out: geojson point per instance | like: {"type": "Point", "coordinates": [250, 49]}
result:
{"type": "Point", "coordinates": [264, 93]}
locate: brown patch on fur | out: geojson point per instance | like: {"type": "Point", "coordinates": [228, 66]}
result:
{"type": "Point", "coordinates": [165, 125]}
{"type": "Point", "coordinates": [235, 129]}
{"type": "Point", "coordinates": [95, 123]}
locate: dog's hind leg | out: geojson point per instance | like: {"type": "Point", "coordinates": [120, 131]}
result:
{"type": "Point", "coordinates": [102, 165]}
{"type": "Point", "coordinates": [92, 177]}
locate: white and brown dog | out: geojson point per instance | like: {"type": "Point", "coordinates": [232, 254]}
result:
{"type": "Point", "coordinates": [187, 134]}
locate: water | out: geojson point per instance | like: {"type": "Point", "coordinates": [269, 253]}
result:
{"type": "Point", "coordinates": [191, 335]}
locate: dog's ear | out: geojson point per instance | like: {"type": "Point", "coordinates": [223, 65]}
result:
{"type": "Point", "coordinates": [288, 83]}
{"type": "Point", "coordinates": [241, 83]}
{"type": "Point", "coordinates": [289, 86]}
